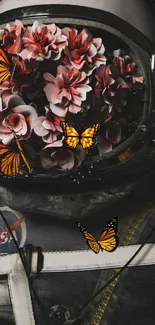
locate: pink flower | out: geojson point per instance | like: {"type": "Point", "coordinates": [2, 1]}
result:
{"type": "Point", "coordinates": [62, 159]}
{"type": "Point", "coordinates": [43, 41]}
{"type": "Point", "coordinates": [6, 91]}
{"type": "Point", "coordinates": [67, 90]}
{"type": "Point", "coordinates": [18, 117]}
{"type": "Point", "coordinates": [83, 51]}
{"type": "Point", "coordinates": [104, 82]}
{"type": "Point", "coordinates": [11, 37]}
{"type": "Point", "coordinates": [48, 127]}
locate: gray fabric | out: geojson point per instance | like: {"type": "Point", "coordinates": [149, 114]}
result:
{"type": "Point", "coordinates": [74, 289]}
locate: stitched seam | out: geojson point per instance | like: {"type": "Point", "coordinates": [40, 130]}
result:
{"type": "Point", "coordinates": [88, 250]}
{"type": "Point", "coordinates": [12, 298]}
{"type": "Point", "coordinates": [26, 285]}
{"type": "Point", "coordinates": [30, 308]}
{"type": "Point", "coordinates": [148, 262]}
{"type": "Point", "coordinates": [3, 255]}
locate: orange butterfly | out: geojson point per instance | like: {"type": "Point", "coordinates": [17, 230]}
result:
{"type": "Point", "coordinates": [86, 138]}
{"type": "Point", "coordinates": [10, 159]}
{"type": "Point", "coordinates": [108, 240]}
{"type": "Point", "coordinates": [6, 68]}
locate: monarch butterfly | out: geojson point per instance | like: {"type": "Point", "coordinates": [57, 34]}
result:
{"type": "Point", "coordinates": [6, 68]}
{"type": "Point", "coordinates": [108, 240]}
{"type": "Point", "coordinates": [10, 159]}
{"type": "Point", "coordinates": [86, 138]}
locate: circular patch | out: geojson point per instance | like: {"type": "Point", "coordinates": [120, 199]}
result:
{"type": "Point", "coordinates": [17, 224]}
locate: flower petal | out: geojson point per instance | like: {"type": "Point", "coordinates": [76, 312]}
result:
{"type": "Point", "coordinates": [59, 111]}
{"type": "Point", "coordinates": [74, 108]}
{"type": "Point", "coordinates": [58, 143]}
{"type": "Point", "coordinates": [103, 145]}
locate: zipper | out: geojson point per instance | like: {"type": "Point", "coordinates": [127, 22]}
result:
{"type": "Point", "coordinates": [108, 292]}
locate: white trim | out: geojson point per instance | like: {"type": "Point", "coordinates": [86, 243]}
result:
{"type": "Point", "coordinates": [62, 262]}
{"type": "Point", "coordinates": [83, 260]}
{"type": "Point", "coordinates": [152, 62]}
{"type": "Point", "coordinates": [4, 294]}
{"type": "Point", "coordinates": [88, 260]}
{"type": "Point", "coordinates": [20, 296]}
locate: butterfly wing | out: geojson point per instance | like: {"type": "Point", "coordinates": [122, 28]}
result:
{"type": "Point", "coordinates": [3, 57]}
{"type": "Point", "coordinates": [5, 66]}
{"type": "Point", "coordinates": [88, 136]}
{"type": "Point", "coordinates": [70, 134]}
{"type": "Point", "coordinates": [108, 240]}
{"type": "Point", "coordinates": [9, 161]}
{"type": "Point", "coordinates": [91, 241]}
{"type": "Point", "coordinates": [22, 153]}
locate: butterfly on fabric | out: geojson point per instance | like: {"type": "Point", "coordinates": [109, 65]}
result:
{"type": "Point", "coordinates": [108, 239]}
{"type": "Point", "coordinates": [73, 137]}
{"type": "Point", "coordinates": [10, 159]}
{"type": "Point", "coordinates": [7, 69]}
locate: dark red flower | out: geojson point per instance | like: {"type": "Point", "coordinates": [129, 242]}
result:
{"type": "Point", "coordinates": [111, 137]}
{"type": "Point", "coordinates": [26, 66]}
{"type": "Point", "coordinates": [104, 81]}
{"type": "Point", "coordinates": [25, 76]}
{"type": "Point", "coordinates": [126, 68]}
{"type": "Point", "coordinates": [113, 133]}
{"type": "Point", "coordinates": [62, 158]}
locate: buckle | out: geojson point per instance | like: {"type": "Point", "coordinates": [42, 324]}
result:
{"type": "Point", "coordinates": [27, 252]}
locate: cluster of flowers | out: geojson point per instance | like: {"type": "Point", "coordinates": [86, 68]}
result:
{"type": "Point", "coordinates": [59, 74]}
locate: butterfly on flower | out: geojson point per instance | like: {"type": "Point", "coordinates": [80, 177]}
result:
{"type": "Point", "coordinates": [108, 239]}
{"type": "Point", "coordinates": [73, 137]}
{"type": "Point", "coordinates": [10, 159]}
{"type": "Point", "coordinates": [7, 69]}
